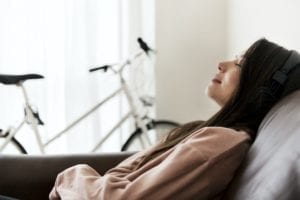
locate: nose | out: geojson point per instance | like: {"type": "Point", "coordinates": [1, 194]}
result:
{"type": "Point", "coordinates": [222, 66]}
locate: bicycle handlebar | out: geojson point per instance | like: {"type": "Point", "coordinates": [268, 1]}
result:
{"type": "Point", "coordinates": [144, 46]}
{"type": "Point", "coordinates": [104, 68]}
{"type": "Point", "coordinates": [145, 49]}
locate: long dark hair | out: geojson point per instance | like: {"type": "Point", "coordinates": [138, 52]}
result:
{"type": "Point", "coordinates": [249, 103]}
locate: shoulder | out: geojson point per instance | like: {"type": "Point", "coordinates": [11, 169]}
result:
{"type": "Point", "coordinates": [220, 133]}
{"type": "Point", "coordinates": [217, 140]}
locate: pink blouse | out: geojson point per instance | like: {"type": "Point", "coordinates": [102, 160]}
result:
{"type": "Point", "coordinates": [199, 167]}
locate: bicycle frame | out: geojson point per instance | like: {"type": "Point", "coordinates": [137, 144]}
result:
{"type": "Point", "coordinates": [33, 122]}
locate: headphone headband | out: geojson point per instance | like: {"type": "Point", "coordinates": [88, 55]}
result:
{"type": "Point", "coordinates": [281, 75]}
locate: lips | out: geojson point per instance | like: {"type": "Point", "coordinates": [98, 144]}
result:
{"type": "Point", "coordinates": [216, 80]}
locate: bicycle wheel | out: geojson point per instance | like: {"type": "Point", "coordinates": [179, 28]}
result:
{"type": "Point", "coordinates": [13, 147]}
{"type": "Point", "coordinates": [156, 130]}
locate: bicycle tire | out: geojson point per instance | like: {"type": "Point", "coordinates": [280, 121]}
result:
{"type": "Point", "coordinates": [14, 147]}
{"type": "Point", "coordinates": [156, 125]}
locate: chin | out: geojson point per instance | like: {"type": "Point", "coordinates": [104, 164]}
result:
{"type": "Point", "coordinates": [210, 92]}
{"type": "Point", "coordinates": [213, 95]}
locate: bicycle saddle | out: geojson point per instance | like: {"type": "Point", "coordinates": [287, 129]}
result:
{"type": "Point", "coordinates": [15, 79]}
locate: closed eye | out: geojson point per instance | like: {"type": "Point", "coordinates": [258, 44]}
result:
{"type": "Point", "coordinates": [238, 61]}
{"type": "Point", "coordinates": [239, 65]}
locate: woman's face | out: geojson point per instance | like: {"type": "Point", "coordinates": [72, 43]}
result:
{"type": "Point", "coordinates": [224, 82]}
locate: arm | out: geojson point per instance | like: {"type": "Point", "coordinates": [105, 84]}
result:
{"type": "Point", "coordinates": [200, 167]}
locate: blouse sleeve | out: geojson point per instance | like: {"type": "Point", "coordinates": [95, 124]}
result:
{"type": "Point", "coordinates": [199, 168]}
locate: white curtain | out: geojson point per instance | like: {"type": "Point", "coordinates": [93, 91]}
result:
{"type": "Point", "coordinates": [62, 39]}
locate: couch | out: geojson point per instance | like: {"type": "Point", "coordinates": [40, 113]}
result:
{"type": "Point", "coordinates": [270, 171]}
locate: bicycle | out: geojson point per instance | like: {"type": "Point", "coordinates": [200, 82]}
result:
{"type": "Point", "coordinates": [147, 132]}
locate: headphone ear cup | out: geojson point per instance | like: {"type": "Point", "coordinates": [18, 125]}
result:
{"type": "Point", "coordinates": [293, 82]}
{"type": "Point", "coordinates": [265, 97]}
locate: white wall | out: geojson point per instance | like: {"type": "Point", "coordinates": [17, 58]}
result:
{"type": "Point", "coordinates": [190, 38]}
{"type": "Point", "coordinates": [277, 20]}
{"type": "Point", "coordinates": [193, 35]}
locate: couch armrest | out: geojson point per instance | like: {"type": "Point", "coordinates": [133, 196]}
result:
{"type": "Point", "coordinates": [32, 177]}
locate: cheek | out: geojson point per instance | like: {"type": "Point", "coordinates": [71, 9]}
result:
{"type": "Point", "coordinates": [235, 80]}
{"type": "Point", "coordinates": [232, 80]}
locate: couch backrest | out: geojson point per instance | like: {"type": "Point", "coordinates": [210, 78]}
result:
{"type": "Point", "coordinates": [272, 167]}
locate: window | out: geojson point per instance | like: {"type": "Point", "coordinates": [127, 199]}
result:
{"type": "Point", "coordinates": [62, 39]}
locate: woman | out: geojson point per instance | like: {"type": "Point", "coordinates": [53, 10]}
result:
{"type": "Point", "coordinates": [199, 159]}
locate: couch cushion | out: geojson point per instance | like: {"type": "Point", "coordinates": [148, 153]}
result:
{"type": "Point", "coordinates": [272, 167]}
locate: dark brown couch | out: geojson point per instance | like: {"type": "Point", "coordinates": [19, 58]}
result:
{"type": "Point", "coordinates": [32, 177]}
